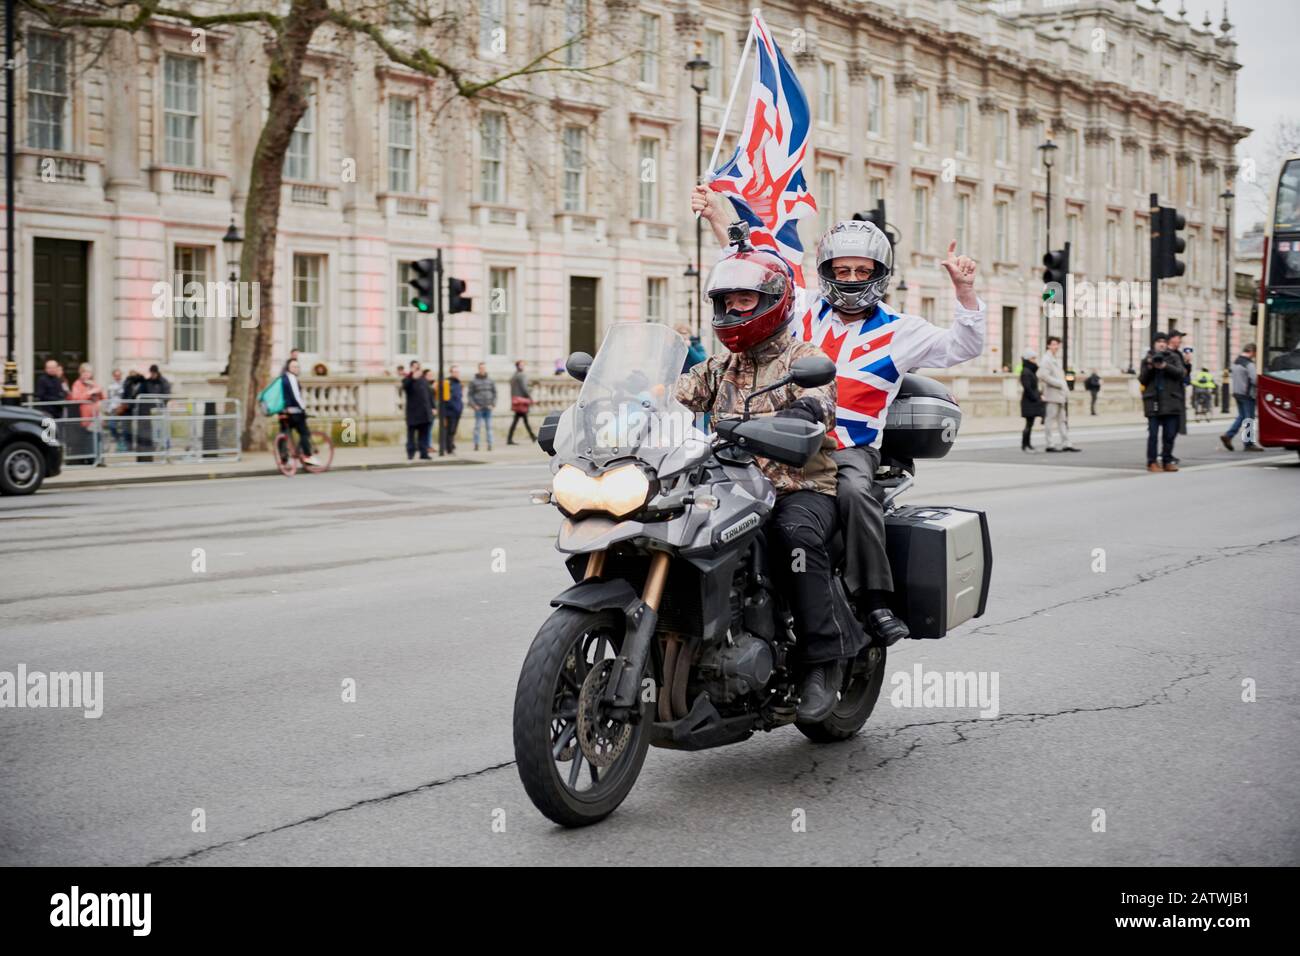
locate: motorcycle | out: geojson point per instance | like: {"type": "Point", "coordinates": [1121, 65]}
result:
{"type": "Point", "coordinates": [676, 633]}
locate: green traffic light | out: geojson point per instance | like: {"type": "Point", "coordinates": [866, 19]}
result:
{"type": "Point", "coordinates": [420, 304]}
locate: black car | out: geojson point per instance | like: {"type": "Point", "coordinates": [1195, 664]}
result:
{"type": "Point", "coordinates": [29, 450]}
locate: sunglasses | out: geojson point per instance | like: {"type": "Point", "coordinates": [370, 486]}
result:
{"type": "Point", "coordinates": [861, 273]}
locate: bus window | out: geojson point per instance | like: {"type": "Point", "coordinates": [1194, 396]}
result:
{"type": "Point", "coordinates": [1281, 358]}
{"type": "Point", "coordinates": [1286, 217]}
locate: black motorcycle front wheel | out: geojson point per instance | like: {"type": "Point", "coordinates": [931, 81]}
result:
{"type": "Point", "coordinates": [857, 700]}
{"type": "Point", "coordinates": [576, 762]}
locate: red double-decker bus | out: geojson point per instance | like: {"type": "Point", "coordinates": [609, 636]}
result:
{"type": "Point", "coordinates": [1278, 317]}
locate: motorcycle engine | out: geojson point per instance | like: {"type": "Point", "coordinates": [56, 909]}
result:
{"type": "Point", "coordinates": [735, 669]}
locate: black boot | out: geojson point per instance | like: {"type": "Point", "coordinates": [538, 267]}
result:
{"type": "Point", "coordinates": [819, 691]}
{"type": "Point", "coordinates": [884, 627]}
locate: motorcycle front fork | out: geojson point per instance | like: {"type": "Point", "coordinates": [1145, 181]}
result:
{"type": "Point", "coordinates": [676, 666]}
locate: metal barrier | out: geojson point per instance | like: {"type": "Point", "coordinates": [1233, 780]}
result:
{"type": "Point", "coordinates": [147, 429]}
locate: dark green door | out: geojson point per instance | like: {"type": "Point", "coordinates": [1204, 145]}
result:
{"type": "Point", "coordinates": [59, 304]}
{"type": "Point", "coordinates": [1009, 354]}
{"type": "Point", "coordinates": [582, 314]}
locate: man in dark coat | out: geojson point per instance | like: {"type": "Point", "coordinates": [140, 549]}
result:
{"type": "Point", "coordinates": [1163, 399]}
{"type": "Point", "coordinates": [150, 398]}
{"type": "Point", "coordinates": [419, 412]}
{"type": "Point", "coordinates": [1093, 385]}
{"type": "Point", "coordinates": [1031, 399]}
{"type": "Point", "coordinates": [51, 387]}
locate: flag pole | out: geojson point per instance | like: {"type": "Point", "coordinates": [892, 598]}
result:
{"type": "Point", "coordinates": [731, 100]}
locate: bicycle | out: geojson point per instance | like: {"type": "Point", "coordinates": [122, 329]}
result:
{"type": "Point", "coordinates": [1203, 404]}
{"type": "Point", "coordinates": [288, 456]}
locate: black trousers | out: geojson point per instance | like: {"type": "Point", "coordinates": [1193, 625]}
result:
{"type": "Point", "coordinates": [1167, 425]}
{"type": "Point", "coordinates": [863, 519]}
{"type": "Point", "coordinates": [1027, 434]}
{"type": "Point", "coordinates": [417, 439]}
{"type": "Point", "coordinates": [802, 525]}
{"type": "Point", "coordinates": [520, 417]}
{"type": "Point", "coordinates": [450, 422]}
{"type": "Point", "coordinates": [297, 421]}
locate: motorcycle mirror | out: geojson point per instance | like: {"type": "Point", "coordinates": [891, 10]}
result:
{"type": "Point", "coordinates": [578, 365]}
{"type": "Point", "coordinates": [812, 371]}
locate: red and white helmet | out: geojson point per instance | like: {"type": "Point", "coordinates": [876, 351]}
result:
{"type": "Point", "coordinates": [766, 275]}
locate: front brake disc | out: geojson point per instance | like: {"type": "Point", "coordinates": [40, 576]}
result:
{"type": "Point", "coordinates": [602, 739]}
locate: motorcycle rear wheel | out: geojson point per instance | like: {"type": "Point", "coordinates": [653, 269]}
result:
{"type": "Point", "coordinates": [551, 714]}
{"type": "Point", "coordinates": [856, 702]}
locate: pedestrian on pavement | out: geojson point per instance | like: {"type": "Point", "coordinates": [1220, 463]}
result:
{"type": "Point", "coordinates": [482, 398]}
{"type": "Point", "coordinates": [86, 391]}
{"type": "Point", "coordinates": [1093, 385]}
{"type": "Point", "coordinates": [113, 407]}
{"type": "Point", "coordinates": [1244, 378]}
{"type": "Point", "coordinates": [419, 412]}
{"type": "Point", "coordinates": [1184, 355]}
{"type": "Point", "coordinates": [1161, 377]}
{"type": "Point", "coordinates": [431, 379]}
{"type": "Point", "coordinates": [453, 404]}
{"type": "Point", "coordinates": [150, 398]}
{"type": "Point", "coordinates": [695, 353]}
{"type": "Point", "coordinates": [1031, 399]}
{"type": "Point", "coordinates": [51, 387]}
{"type": "Point", "coordinates": [520, 402]}
{"type": "Point", "coordinates": [1056, 397]}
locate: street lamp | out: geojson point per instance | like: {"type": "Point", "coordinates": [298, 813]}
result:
{"type": "Point", "coordinates": [231, 243]}
{"type": "Point", "coordinates": [699, 70]}
{"type": "Point", "coordinates": [1047, 149]}
{"type": "Point", "coordinates": [1227, 198]}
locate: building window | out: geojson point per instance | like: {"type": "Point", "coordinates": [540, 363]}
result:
{"type": "Point", "coordinates": [827, 93]}
{"type": "Point", "coordinates": [649, 49]}
{"type": "Point", "coordinates": [1216, 95]}
{"type": "Point", "coordinates": [875, 104]}
{"type": "Point", "coordinates": [407, 326]}
{"type": "Point", "coordinates": [299, 161]}
{"type": "Point", "coordinates": [1140, 170]}
{"type": "Point", "coordinates": [825, 198]}
{"type": "Point", "coordinates": [648, 175]}
{"type": "Point", "coordinates": [1110, 162]}
{"type": "Point", "coordinates": [182, 143]}
{"type": "Point", "coordinates": [999, 231]}
{"type": "Point", "coordinates": [307, 271]}
{"type": "Point", "coordinates": [1166, 175]}
{"type": "Point", "coordinates": [1108, 57]}
{"type": "Point", "coordinates": [1166, 76]}
{"type": "Point", "coordinates": [715, 51]}
{"type": "Point", "coordinates": [927, 309]}
{"type": "Point", "coordinates": [401, 144]}
{"type": "Point", "coordinates": [1193, 88]}
{"type": "Point", "coordinates": [920, 216]}
{"type": "Point", "coordinates": [876, 189]}
{"type": "Point", "coordinates": [575, 168]}
{"type": "Point", "coordinates": [1003, 136]}
{"type": "Point", "coordinates": [656, 297]}
{"type": "Point", "coordinates": [1139, 68]}
{"type": "Point", "coordinates": [1112, 247]}
{"type": "Point", "coordinates": [920, 117]}
{"type": "Point", "coordinates": [1216, 252]}
{"type": "Point", "coordinates": [1140, 249]}
{"type": "Point", "coordinates": [575, 25]}
{"type": "Point", "coordinates": [491, 27]}
{"type": "Point", "coordinates": [189, 265]}
{"type": "Point", "coordinates": [500, 301]}
{"type": "Point", "coordinates": [1039, 219]}
{"type": "Point", "coordinates": [1072, 237]}
{"type": "Point", "coordinates": [962, 110]}
{"type": "Point", "coordinates": [1193, 176]}
{"type": "Point", "coordinates": [492, 157]}
{"type": "Point", "coordinates": [49, 106]}
{"type": "Point", "coordinates": [1072, 152]}
{"type": "Point", "coordinates": [1039, 134]}
{"type": "Point", "coordinates": [963, 223]}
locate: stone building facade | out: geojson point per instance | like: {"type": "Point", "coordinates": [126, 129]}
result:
{"type": "Point", "coordinates": [563, 204]}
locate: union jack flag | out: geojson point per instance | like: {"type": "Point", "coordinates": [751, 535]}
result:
{"type": "Point", "coordinates": [764, 176]}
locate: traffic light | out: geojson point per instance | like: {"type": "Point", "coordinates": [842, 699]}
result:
{"type": "Point", "coordinates": [1058, 266]}
{"type": "Point", "coordinates": [423, 281]}
{"type": "Point", "coordinates": [1169, 245]}
{"type": "Point", "coordinates": [457, 302]}
{"type": "Point", "coordinates": [874, 216]}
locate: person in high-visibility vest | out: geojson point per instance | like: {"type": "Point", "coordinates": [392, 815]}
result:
{"type": "Point", "coordinates": [1203, 388]}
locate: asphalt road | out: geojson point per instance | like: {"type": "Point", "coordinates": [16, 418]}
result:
{"type": "Point", "coordinates": [1120, 690]}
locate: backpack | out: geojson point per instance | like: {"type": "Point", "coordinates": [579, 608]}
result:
{"type": "Point", "coordinates": [271, 399]}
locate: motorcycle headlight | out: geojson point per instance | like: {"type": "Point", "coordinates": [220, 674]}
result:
{"type": "Point", "coordinates": [619, 492]}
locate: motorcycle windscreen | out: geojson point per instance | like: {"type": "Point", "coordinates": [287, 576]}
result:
{"type": "Point", "coordinates": [627, 405]}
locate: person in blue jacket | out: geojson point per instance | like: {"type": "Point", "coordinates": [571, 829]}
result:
{"type": "Point", "coordinates": [453, 403]}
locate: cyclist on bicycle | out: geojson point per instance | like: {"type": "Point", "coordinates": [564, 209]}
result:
{"type": "Point", "coordinates": [295, 411]}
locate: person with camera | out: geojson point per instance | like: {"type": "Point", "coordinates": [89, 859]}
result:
{"type": "Point", "coordinates": [1163, 398]}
